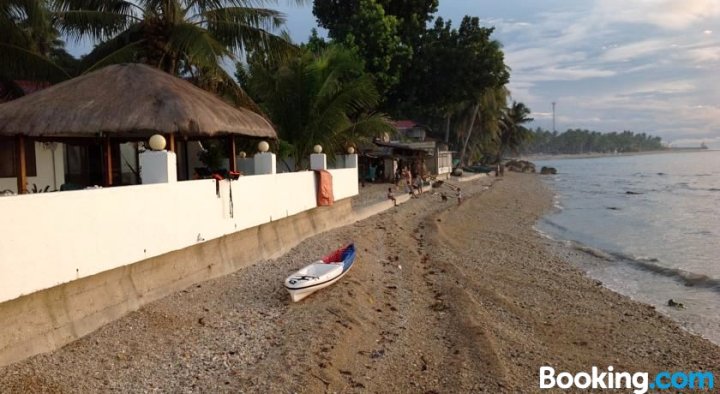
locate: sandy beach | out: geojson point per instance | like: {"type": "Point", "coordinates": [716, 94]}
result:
{"type": "Point", "coordinates": [442, 298]}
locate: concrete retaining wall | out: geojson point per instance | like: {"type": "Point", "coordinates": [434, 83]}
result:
{"type": "Point", "coordinates": [48, 319]}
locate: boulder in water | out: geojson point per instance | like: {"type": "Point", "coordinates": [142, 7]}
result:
{"type": "Point", "coordinates": [675, 304]}
{"type": "Point", "coordinates": [548, 171]}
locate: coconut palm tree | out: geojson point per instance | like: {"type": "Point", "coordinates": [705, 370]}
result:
{"type": "Point", "coordinates": [483, 115]}
{"type": "Point", "coordinates": [29, 44]}
{"type": "Point", "coordinates": [181, 37]}
{"type": "Point", "coordinates": [323, 98]}
{"type": "Point", "coordinates": [512, 132]}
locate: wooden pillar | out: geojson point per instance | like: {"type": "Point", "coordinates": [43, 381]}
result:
{"type": "Point", "coordinates": [232, 163]}
{"type": "Point", "coordinates": [107, 153]}
{"type": "Point", "coordinates": [20, 164]}
{"type": "Point", "coordinates": [171, 142]}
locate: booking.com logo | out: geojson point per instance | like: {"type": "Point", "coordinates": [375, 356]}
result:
{"type": "Point", "coordinates": [639, 381]}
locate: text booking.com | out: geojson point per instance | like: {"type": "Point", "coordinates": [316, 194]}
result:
{"type": "Point", "coordinates": [639, 382]}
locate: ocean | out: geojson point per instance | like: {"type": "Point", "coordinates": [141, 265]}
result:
{"type": "Point", "coordinates": [646, 226]}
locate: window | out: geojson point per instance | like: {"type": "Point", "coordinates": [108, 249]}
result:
{"type": "Point", "coordinates": [8, 158]}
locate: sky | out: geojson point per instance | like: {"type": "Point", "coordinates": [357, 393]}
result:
{"type": "Point", "coordinates": [609, 65]}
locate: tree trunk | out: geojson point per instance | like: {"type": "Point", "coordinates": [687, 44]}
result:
{"type": "Point", "coordinates": [447, 127]}
{"type": "Point", "coordinates": [469, 133]}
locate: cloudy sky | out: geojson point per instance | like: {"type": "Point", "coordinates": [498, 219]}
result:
{"type": "Point", "coordinates": [641, 65]}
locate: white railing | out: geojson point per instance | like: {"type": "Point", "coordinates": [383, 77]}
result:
{"type": "Point", "coordinates": [53, 238]}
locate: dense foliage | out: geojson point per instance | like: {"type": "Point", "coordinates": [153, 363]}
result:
{"type": "Point", "coordinates": [183, 37]}
{"type": "Point", "coordinates": [585, 141]}
{"type": "Point", "coordinates": [313, 98]}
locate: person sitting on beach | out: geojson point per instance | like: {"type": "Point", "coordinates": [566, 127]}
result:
{"type": "Point", "coordinates": [459, 195]}
{"type": "Point", "coordinates": [391, 197]}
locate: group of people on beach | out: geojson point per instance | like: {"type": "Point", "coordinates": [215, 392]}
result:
{"type": "Point", "coordinates": [417, 187]}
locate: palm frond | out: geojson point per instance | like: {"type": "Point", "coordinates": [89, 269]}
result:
{"type": "Point", "coordinates": [98, 25]}
{"type": "Point", "coordinates": [125, 54]}
{"type": "Point", "coordinates": [200, 47]}
{"type": "Point", "coordinates": [20, 63]}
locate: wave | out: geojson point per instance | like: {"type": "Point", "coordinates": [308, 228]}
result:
{"type": "Point", "coordinates": [591, 251]}
{"type": "Point", "coordinates": [554, 225]}
{"type": "Point", "coordinates": [651, 264]}
{"type": "Point", "coordinates": [688, 278]}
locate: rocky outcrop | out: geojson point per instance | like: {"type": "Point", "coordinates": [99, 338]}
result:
{"type": "Point", "coordinates": [520, 166]}
{"type": "Point", "coordinates": [548, 171]}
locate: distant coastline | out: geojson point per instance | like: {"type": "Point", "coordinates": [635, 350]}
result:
{"type": "Point", "coordinates": [593, 155]}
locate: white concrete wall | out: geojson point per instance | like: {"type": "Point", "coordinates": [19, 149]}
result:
{"type": "Point", "coordinates": [345, 183]}
{"type": "Point", "coordinates": [44, 163]}
{"type": "Point", "coordinates": [54, 238]}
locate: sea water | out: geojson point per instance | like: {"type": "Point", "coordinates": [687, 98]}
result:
{"type": "Point", "coordinates": [647, 226]}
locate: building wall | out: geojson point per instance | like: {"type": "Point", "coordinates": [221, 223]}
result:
{"type": "Point", "coordinates": [54, 238]}
{"type": "Point", "coordinates": [44, 163]}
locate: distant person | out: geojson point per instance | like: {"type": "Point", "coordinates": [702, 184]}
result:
{"type": "Point", "coordinates": [391, 196]}
{"type": "Point", "coordinates": [443, 196]}
{"type": "Point", "coordinates": [419, 185]}
{"type": "Point", "coordinates": [372, 171]}
{"type": "Point", "coordinates": [459, 195]}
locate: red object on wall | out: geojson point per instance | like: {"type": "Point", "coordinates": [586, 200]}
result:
{"type": "Point", "coordinates": [324, 188]}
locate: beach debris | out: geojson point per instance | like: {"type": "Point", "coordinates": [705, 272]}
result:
{"type": "Point", "coordinates": [675, 304]}
{"type": "Point", "coordinates": [613, 208]}
{"type": "Point", "coordinates": [377, 353]}
{"type": "Point", "coordinates": [399, 266]}
{"type": "Point", "coordinates": [632, 192]}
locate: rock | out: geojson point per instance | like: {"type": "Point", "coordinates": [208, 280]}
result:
{"type": "Point", "coordinates": [457, 172]}
{"type": "Point", "coordinates": [674, 304]}
{"type": "Point", "coordinates": [548, 171]}
{"type": "Point", "coordinates": [520, 166]}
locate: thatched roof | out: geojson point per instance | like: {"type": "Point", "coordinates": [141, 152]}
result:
{"type": "Point", "coordinates": [127, 100]}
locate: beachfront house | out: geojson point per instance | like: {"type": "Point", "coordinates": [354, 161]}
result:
{"type": "Point", "coordinates": [410, 147]}
{"type": "Point", "coordinates": [74, 260]}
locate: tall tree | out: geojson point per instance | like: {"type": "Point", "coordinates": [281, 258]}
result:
{"type": "Point", "coordinates": [337, 16]}
{"type": "Point", "coordinates": [324, 99]}
{"type": "Point", "coordinates": [30, 47]}
{"type": "Point", "coordinates": [485, 76]}
{"type": "Point", "coordinates": [177, 36]}
{"type": "Point", "coordinates": [385, 32]}
{"type": "Point", "coordinates": [512, 132]}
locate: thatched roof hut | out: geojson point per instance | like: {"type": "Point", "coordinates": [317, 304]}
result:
{"type": "Point", "coordinates": [125, 102]}
{"type": "Point", "coordinates": [128, 100]}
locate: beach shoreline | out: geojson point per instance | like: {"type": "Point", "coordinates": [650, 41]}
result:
{"type": "Point", "coordinates": [444, 297]}
{"type": "Point", "coordinates": [544, 157]}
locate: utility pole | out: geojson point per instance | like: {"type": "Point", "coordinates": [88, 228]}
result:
{"type": "Point", "coordinates": [553, 104]}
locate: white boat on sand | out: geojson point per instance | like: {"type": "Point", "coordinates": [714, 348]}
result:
{"type": "Point", "coordinates": [320, 274]}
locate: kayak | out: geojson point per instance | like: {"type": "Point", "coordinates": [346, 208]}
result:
{"type": "Point", "coordinates": [321, 273]}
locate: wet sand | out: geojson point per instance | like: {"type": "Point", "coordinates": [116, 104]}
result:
{"type": "Point", "coordinates": [442, 298]}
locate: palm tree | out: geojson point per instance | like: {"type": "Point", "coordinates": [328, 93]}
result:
{"type": "Point", "coordinates": [512, 132]}
{"type": "Point", "coordinates": [323, 98]}
{"type": "Point", "coordinates": [181, 37]}
{"type": "Point", "coordinates": [29, 44]}
{"type": "Point", "coordinates": [484, 118]}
